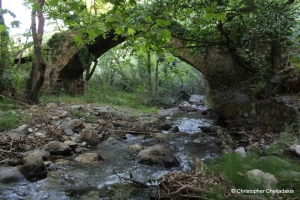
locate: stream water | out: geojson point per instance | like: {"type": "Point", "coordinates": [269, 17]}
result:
{"type": "Point", "coordinates": [102, 181]}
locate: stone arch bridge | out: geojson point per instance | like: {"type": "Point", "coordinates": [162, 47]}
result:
{"type": "Point", "coordinates": [222, 74]}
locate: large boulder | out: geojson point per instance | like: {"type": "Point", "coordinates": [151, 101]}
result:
{"type": "Point", "coordinates": [267, 180]}
{"type": "Point", "coordinates": [10, 174]}
{"type": "Point", "coordinates": [157, 155]}
{"type": "Point", "coordinates": [58, 148]}
{"type": "Point", "coordinates": [34, 168]}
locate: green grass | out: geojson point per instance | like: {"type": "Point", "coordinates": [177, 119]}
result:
{"type": "Point", "coordinates": [233, 165]}
{"type": "Point", "coordinates": [6, 104]}
{"type": "Point", "coordinates": [12, 119]}
{"type": "Point", "coordinates": [107, 96]}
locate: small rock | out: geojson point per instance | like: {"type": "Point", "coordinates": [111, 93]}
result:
{"type": "Point", "coordinates": [64, 114]}
{"type": "Point", "coordinates": [10, 175]}
{"type": "Point", "coordinates": [72, 144]}
{"type": "Point", "coordinates": [51, 105]}
{"type": "Point", "coordinates": [241, 151]}
{"type": "Point", "coordinates": [58, 148]}
{"type": "Point", "coordinates": [112, 139]}
{"type": "Point", "coordinates": [266, 179]}
{"type": "Point", "coordinates": [30, 130]}
{"type": "Point", "coordinates": [135, 148]}
{"type": "Point", "coordinates": [83, 144]}
{"type": "Point", "coordinates": [16, 134]}
{"type": "Point", "coordinates": [165, 125]}
{"type": "Point", "coordinates": [174, 129]}
{"type": "Point", "coordinates": [89, 135]}
{"type": "Point", "coordinates": [295, 148]}
{"type": "Point", "coordinates": [55, 118]}
{"type": "Point", "coordinates": [61, 161]}
{"type": "Point", "coordinates": [160, 135]}
{"type": "Point", "coordinates": [89, 158]}
{"type": "Point", "coordinates": [47, 163]}
{"type": "Point", "coordinates": [157, 155]}
{"type": "Point", "coordinates": [227, 150]}
{"type": "Point", "coordinates": [76, 107]}
{"type": "Point", "coordinates": [40, 134]}
{"type": "Point", "coordinates": [23, 129]}
{"type": "Point", "coordinates": [34, 168]}
{"type": "Point", "coordinates": [66, 128]}
{"type": "Point", "coordinates": [45, 155]}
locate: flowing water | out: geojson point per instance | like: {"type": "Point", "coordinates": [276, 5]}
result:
{"type": "Point", "coordinates": [104, 181]}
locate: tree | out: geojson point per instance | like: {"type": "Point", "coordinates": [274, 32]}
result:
{"type": "Point", "coordinates": [38, 65]}
{"type": "Point", "coordinates": [4, 53]}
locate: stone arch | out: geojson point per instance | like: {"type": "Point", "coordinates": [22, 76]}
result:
{"type": "Point", "coordinates": [223, 76]}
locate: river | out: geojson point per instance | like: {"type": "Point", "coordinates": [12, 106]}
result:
{"type": "Point", "coordinates": [107, 180]}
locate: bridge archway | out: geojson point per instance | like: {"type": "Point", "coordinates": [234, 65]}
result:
{"type": "Point", "coordinates": [223, 76]}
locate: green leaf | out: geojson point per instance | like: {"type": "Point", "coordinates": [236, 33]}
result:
{"type": "Point", "coordinates": [36, 7]}
{"type": "Point", "coordinates": [165, 35]}
{"type": "Point", "coordinates": [53, 3]}
{"type": "Point", "coordinates": [2, 28]}
{"type": "Point", "coordinates": [15, 23]}
{"type": "Point", "coordinates": [77, 39]}
{"type": "Point", "coordinates": [91, 33]}
{"type": "Point", "coordinates": [119, 30]}
{"type": "Point", "coordinates": [130, 31]}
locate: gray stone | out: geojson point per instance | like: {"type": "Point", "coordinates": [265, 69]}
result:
{"type": "Point", "coordinates": [45, 155]}
{"type": "Point", "coordinates": [72, 144]}
{"type": "Point", "coordinates": [160, 135]}
{"type": "Point", "coordinates": [58, 148]}
{"type": "Point", "coordinates": [40, 134]}
{"type": "Point", "coordinates": [76, 107]}
{"type": "Point", "coordinates": [174, 129]}
{"type": "Point", "coordinates": [66, 128]}
{"type": "Point", "coordinates": [64, 114]}
{"type": "Point", "coordinates": [241, 151]}
{"type": "Point", "coordinates": [51, 105]}
{"type": "Point", "coordinates": [55, 117]}
{"type": "Point", "coordinates": [157, 155]}
{"type": "Point", "coordinates": [89, 135]}
{"type": "Point", "coordinates": [34, 168]}
{"type": "Point", "coordinates": [74, 123]}
{"type": "Point", "coordinates": [16, 134]}
{"type": "Point", "coordinates": [295, 148]}
{"type": "Point", "coordinates": [10, 175]}
{"type": "Point", "coordinates": [165, 125]}
{"type": "Point", "coordinates": [83, 144]}
{"type": "Point", "coordinates": [89, 158]}
{"type": "Point", "coordinates": [135, 148]}
{"type": "Point", "coordinates": [267, 180]}
{"type": "Point", "coordinates": [112, 139]}
{"type": "Point", "coordinates": [23, 129]}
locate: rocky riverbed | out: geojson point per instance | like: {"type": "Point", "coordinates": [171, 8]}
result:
{"type": "Point", "coordinates": [74, 151]}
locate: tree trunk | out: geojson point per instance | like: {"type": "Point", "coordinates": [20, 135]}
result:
{"type": "Point", "coordinates": [149, 82]}
{"type": "Point", "coordinates": [89, 73]}
{"type": "Point", "coordinates": [38, 64]}
{"type": "Point", "coordinates": [156, 75]}
{"type": "Point", "coordinates": [275, 55]}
